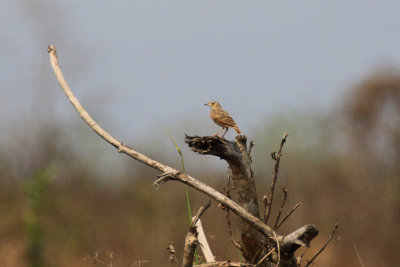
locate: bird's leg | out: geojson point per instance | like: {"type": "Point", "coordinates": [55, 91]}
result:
{"type": "Point", "coordinates": [218, 132]}
{"type": "Point", "coordinates": [225, 132]}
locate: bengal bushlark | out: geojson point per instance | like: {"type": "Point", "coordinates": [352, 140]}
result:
{"type": "Point", "coordinates": [221, 118]}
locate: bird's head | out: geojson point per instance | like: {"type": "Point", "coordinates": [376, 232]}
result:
{"type": "Point", "coordinates": [213, 104]}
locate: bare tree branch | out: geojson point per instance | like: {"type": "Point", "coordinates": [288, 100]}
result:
{"type": "Point", "coordinates": [294, 240]}
{"type": "Point", "coordinates": [227, 216]}
{"type": "Point", "coordinates": [290, 213]}
{"type": "Point", "coordinates": [277, 157]}
{"type": "Point", "coordinates": [95, 127]}
{"type": "Point", "coordinates": [286, 243]}
{"type": "Point", "coordinates": [300, 258]}
{"type": "Point", "coordinates": [191, 238]}
{"type": "Point", "coordinates": [238, 210]}
{"type": "Point", "coordinates": [334, 231]}
{"type": "Point", "coordinates": [265, 256]}
{"type": "Point", "coordinates": [236, 155]}
{"type": "Point", "coordinates": [199, 213]}
{"type": "Point", "coordinates": [169, 173]}
{"type": "Point", "coordinates": [284, 190]}
{"type": "Point", "coordinates": [205, 247]}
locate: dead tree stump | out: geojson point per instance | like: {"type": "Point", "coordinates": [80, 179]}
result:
{"type": "Point", "coordinates": [236, 155]}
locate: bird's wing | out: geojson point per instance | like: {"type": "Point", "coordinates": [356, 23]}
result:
{"type": "Point", "coordinates": [224, 118]}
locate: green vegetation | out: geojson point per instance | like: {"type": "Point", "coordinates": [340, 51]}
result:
{"type": "Point", "coordinates": [35, 190]}
{"type": "Point", "coordinates": [189, 208]}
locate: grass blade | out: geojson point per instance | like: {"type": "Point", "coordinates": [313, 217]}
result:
{"type": "Point", "coordinates": [186, 187]}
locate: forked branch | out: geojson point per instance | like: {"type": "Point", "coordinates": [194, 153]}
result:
{"type": "Point", "coordinates": [287, 243]}
{"type": "Point", "coordinates": [168, 173]}
{"type": "Point", "coordinates": [277, 158]}
{"type": "Point", "coordinates": [191, 240]}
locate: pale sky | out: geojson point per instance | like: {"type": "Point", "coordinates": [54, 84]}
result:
{"type": "Point", "coordinates": [140, 65]}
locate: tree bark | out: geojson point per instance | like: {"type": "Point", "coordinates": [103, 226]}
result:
{"type": "Point", "coordinates": [236, 155]}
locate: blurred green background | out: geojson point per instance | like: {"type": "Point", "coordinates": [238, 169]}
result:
{"type": "Point", "coordinates": [326, 75]}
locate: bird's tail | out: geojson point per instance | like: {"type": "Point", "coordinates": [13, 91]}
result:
{"type": "Point", "coordinates": [237, 129]}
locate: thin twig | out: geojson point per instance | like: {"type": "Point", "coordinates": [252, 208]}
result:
{"type": "Point", "coordinates": [199, 213]}
{"type": "Point", "coordinates": [266, 243]}
{"type": "Point", "coordinates": [302, 255]}
{"type": "Point", "coordinates": [272, 250]}
{"type": "Point", "coordinates": [277, 158]}
{"type": "Point", "coordinates": [228, 218]}
{"type": "Point", "coordinates": [358, 256]}
{"type": "Point", "coordinates": [290, 213]}
{"type": "Point", "coordinates": [259, 250]}
{"type": "Point", "coordinates": [334, 231]}
{"type": "Point", "coordinates": [277, 218]}
{"type": "Point", "coordinates": [284, 190]}
{"type": "Point", "coordinates": [266, 255]}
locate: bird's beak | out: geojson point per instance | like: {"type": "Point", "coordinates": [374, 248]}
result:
{"type": "Point", "coordinates": [206, 104]}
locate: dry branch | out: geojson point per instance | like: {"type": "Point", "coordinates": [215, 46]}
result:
{"type": "Point", "coordinates": [238, 210]}
{"type": "Point", "coordinates": [249, 216]}
{"type": "Point", "coordinates": [300, 237]}
{"type": "Point", "coordinates": [169, 173]}
{"type": "Point", "coordinates": [205, 247]}
{"type": "Point", "coordinates": [236, 155]}
{"type": "Point", "coordinates": [288, 215]}
{"type": "Point", "coordinates": [300, 258]}
{"type": "Point", "coordinates": [284, 190]}
{"type": "Point", "coordinates": [334, 231]}
{"type": "Point", "coordinates": [226, 209]}
{"type": "Point", "coordinates": [191, 238]}
{"type": "Point", "coordinates": [277, 158]}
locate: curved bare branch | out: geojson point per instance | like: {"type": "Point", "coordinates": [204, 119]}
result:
{"type": "Point", "coordinates": [92, 123]}
{"type": "Point", "coordinates": [169, 173]}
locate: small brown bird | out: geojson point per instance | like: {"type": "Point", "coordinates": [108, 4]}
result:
{"type": "Point", "coordinates": [222, 118]}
